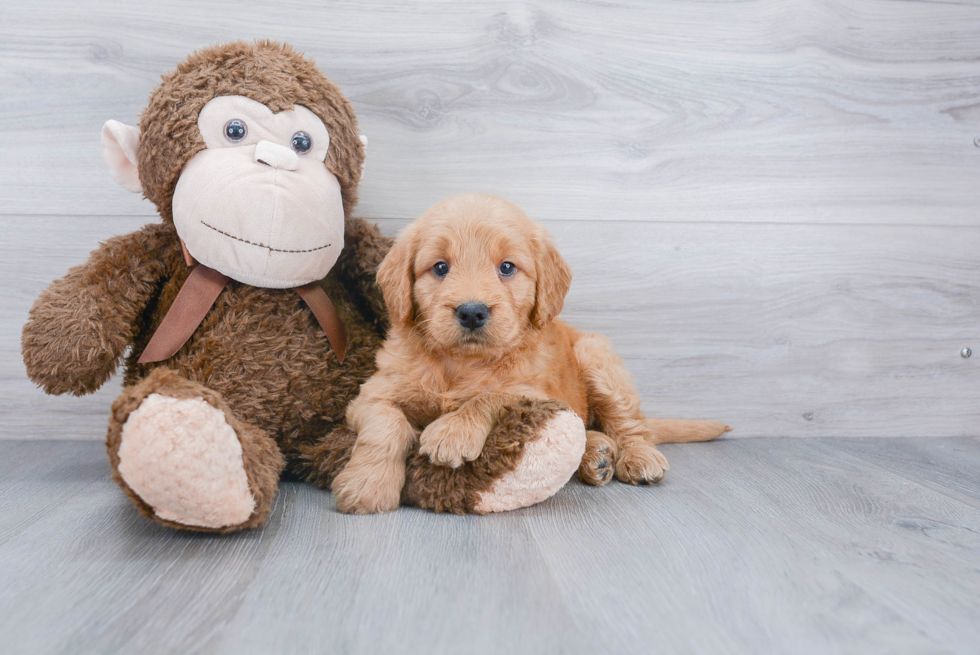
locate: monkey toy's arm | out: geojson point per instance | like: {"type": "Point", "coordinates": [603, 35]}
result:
{"type": "Point", "coordinates": [79, 326]}
{"type": "Point", "coordinates": [364, 248]}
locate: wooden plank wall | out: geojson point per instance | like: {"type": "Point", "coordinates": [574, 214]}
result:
{"type": "Point", "coordinates": [772, 206]}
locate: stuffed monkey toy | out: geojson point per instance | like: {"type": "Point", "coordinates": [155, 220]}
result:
{"type": "Point", "coordinates": [249, 316]}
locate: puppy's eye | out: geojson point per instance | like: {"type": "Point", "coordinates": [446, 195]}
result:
{"type": "Point", "coordinates": [235, 130]}
{"type": "Point", "coordinates": [507, 269]}
{"type": "Point", "coordinates": [441, 269]}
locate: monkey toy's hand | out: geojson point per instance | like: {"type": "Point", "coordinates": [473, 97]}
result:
{"type": "Point", "coordinates": [80, 326]}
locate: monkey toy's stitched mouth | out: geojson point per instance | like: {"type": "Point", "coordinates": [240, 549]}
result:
{"type": "Point", "coordinates": [262, 245]}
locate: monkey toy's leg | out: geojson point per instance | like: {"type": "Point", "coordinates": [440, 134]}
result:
{"type": "Point", "coordinates": [532, 451]}
{"type": "Point", "coordinates": [186, 461]}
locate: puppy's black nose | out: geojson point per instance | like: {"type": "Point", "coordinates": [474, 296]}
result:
{"type": "Point", "coordinates": [472, 315]}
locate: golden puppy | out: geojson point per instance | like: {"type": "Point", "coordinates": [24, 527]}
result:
{"type": "Point", "coordinates": [474, 288]}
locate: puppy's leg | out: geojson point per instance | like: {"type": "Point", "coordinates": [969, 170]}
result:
{"type": "Point", "coordinates": [459, 436]}
{"type": "Point", "coordinates": [599, 460]}
{"type": "Point", "coordinates": [614, 402]}
{"type": "Point", "coordinates": [373, 479]}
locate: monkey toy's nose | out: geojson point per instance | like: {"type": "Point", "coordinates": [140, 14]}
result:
{"type": "Point", "coordinates": [275, 155]}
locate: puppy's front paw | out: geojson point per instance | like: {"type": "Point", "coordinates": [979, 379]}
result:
{"type": "Point", "coordinates": [641, 464]}
{"type": "Point", "coordinates": [361, 489]}
{"type": "Point", "coordinates": [450, 441]}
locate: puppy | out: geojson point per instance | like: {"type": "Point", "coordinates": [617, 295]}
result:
{"type": "Point", "coordinates": [473, 288]}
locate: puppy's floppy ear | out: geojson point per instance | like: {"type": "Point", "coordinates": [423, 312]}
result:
{"type": "Point", "coordinates": [396, 278]}
{"type": "Point", "coordinates": [554, 279]}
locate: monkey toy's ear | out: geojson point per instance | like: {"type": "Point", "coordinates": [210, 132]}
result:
{"type": "Point", "coordinates": [120, 149]}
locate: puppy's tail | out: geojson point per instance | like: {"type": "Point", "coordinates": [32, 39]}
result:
{"type": "Point", "coordinates": [679, 430]}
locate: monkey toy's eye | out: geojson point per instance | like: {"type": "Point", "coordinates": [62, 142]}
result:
{"type": "Point", "coordinates": [441, 269]}
{"type": "Point", "coordinates": [507, 269]}
{"type": "Point", "coordinates": [302, 142]}
{"type": "Point", "coordinates": [235, 130]}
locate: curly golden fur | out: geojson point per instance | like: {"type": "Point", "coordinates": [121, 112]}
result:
{"type": "Point", "coordinates": [444, 385]}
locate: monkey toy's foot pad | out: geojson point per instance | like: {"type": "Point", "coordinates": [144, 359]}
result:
{"type": "Point", "coordinates": [548, 463]}
{"type": "Point", "coordinates": [185, 461]}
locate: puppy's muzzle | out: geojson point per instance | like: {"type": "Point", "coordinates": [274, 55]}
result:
{"type": "Point", "coordinates": [472, 315]}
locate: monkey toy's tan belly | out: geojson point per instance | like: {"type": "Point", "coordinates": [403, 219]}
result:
{"type": "Point", "coordinates": [265, 353]}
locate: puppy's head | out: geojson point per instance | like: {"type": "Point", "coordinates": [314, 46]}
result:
{"type": "Point", "coordinates": [473, 274]}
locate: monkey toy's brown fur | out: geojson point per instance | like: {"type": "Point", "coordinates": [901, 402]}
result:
{"type": "Point", "coordinates": [259, 356]}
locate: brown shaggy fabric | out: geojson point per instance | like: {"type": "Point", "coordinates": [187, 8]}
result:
{"type": "Point", "coordinates": [356, 267]}
{"type": "Point", "coordinates": [319, 462]}
{"type": "Point", "coordinates": [263, 351]}
{"type": "Point", "coordinates": [79, 326]}
{"type": "Point", "coordinates": [440, 488]}
{"type": "Point", "coordinates": [263, 461]}
{"type": "Point", "coordinates": [267, 72]}
{"type": "Point", "coordinates": [259, 354]}
{"type": "Point", "coordinates": [443, 489]}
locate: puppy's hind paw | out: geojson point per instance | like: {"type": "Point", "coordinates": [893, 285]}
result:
{"type": "Point", "coordinates": [641, 464]}
{"type": "Point", "coordinates": [598, 465]}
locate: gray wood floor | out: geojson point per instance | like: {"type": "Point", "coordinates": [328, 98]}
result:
{"type": "Point", "coordinates": [749, 546]}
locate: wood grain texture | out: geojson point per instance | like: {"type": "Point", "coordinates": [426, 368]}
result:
{"type": "Point", "coordinates": [769, 110]}
{"type": "Point", "coordinates": [770, 205]}
{"type": "Point", "coordinates": [748, 546]}
{"type": "Point", "coordinates": [779, 330]}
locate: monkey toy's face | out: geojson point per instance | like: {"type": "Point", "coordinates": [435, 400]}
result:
{"type": "Point", "coordinates": [258, 203]}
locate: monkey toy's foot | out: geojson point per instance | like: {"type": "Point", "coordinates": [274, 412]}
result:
{"type": "Point", "coordinates": [185, 461]}
{"type": "Point", "coordinates": [531, 453]}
